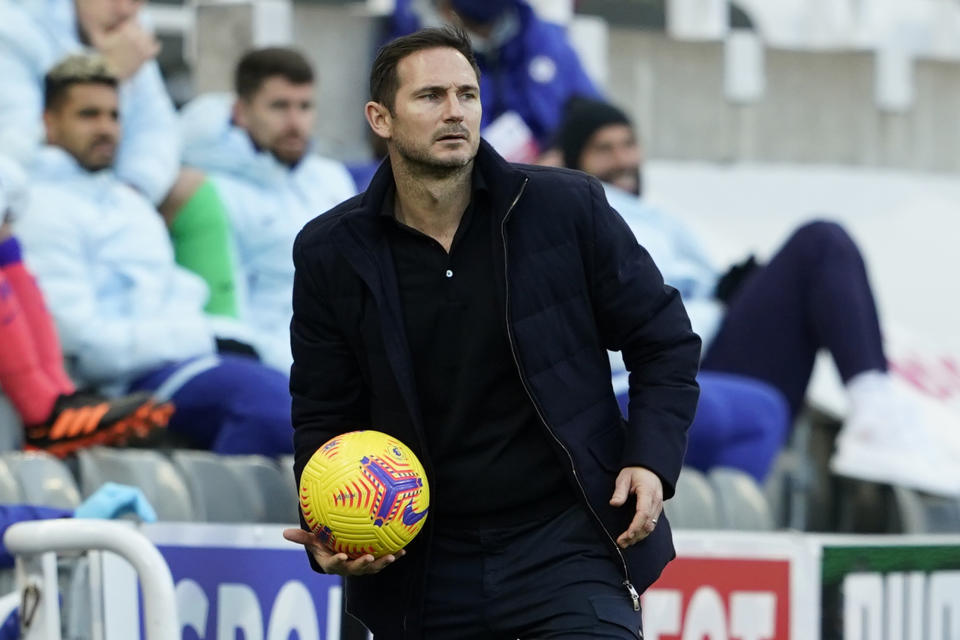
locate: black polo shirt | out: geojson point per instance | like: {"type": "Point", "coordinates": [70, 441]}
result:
{"type": "Point", "coordinates": [495, 463]}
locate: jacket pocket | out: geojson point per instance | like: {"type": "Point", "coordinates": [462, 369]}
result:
{"type": "Point", "coordinates": [617, 610]}
{"type": "Point", "coordinates": [607, 446]}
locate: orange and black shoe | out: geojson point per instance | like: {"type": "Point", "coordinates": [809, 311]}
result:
{"type": "Point", "coordinates": [83, 420]}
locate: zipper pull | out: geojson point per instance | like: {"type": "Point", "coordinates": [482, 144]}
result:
{"type": "Point", "coordinates": [633, 594]}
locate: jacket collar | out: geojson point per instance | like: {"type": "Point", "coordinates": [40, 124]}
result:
{"type": "Point", "coordinates": [500, 177]}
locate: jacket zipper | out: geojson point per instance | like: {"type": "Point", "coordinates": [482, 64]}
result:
{"type": "Point", "coordinates": [631, 590]}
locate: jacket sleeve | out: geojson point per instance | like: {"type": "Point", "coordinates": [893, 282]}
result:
{"type": "Point", "coordinates": [149, 154]}
{"type": "Point", "coordinates": [106, 346]}
{"type": "Point", "coordinates": [328, 393]}
{"type": "Point", "coordinates": [21, 103]}
{"type": "Point", "coordinates": [326, 385]}
{"type": "Point", "coordinates": [644, 319]}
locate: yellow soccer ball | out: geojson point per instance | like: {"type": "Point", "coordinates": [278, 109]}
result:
{"type": "Point", "coordinates": [364, 492]}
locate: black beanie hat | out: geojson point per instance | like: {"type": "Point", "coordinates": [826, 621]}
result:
{"type": "Point", "coordinates": [582, 118]}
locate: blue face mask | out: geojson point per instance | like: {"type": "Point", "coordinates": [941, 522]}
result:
{"type": "Point", "coordinates": [481, 11]}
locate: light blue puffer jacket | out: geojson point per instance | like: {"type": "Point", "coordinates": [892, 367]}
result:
{"type": "Point", "coordinates": [268, 203]}
{"type": "Point", "coordinates": [34, 36]}
{"type": "Point", "coordinates": [104, 261]}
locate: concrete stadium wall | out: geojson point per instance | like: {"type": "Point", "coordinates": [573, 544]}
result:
{"type": "Point", "coordinates": [818, 107]}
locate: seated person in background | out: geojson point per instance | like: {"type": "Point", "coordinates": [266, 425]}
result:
{"type": "Point", "coordinates": [255, 146]}
{"type": "Point", "coordinates": [768, 321]}
{"type": "Point", "coordinates": [106, 503]}
{"type": "Point", "coordinates": [58, 419]}
{"type": "Point", "coordinates": [128, 315]}
{"type": "Point", "coordinates": [34, 36]}
{"type": "Point", "coordinates": [528, 69]}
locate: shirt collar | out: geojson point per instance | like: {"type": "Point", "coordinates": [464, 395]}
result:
{"type": "Point", "coordinates": [478, 188]}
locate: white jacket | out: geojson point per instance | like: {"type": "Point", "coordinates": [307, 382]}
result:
{"type": "Point", "coordinates": [104, 261]}
{"type": "Point", "coordinates": [34, 36]}
{"type": "Point", "coordinates": [268, 203]}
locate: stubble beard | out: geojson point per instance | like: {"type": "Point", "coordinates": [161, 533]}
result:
{"type": "Point", "coordinates": [419, 162]}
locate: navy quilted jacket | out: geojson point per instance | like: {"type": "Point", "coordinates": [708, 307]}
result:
{"type": "Point", "coordinates": [574, 284]}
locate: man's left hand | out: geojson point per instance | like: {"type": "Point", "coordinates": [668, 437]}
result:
{"type": "Point", "coordinates": [648, 489]}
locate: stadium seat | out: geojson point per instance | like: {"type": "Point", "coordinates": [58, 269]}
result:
{"type": "Point", "coordinates": [11, 429]}
{"type": "Point", "coordinates": [149, 470]}
{"type": "Point", "coordinates": [9, 491]}
{"type": "Point", "coordinates": [273, 483]}
{"type": "Point", "coordinates": [740, 502]}
{"type": "Point", "coordinates": [219, 493]}
{"type": "Point", "coordinates": [693, 506]}
{"type": "Point", "coordinates": [922, 513]}
{"type": "Point", "coordinates": [43, 480]}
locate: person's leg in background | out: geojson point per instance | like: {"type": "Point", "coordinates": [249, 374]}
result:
{"type": "Point", "coordinates": [227, 404]}
{"type": "Point", "coordinates": [741, 423]}
{"type": "Point", "coordinates": [815, 294]}
{"type": "Point", "coordinates": [58, 419]}
{"type": "Point", "coordinates": [24, 378]}
{"type": "Point", "coordinates": [202, 239]}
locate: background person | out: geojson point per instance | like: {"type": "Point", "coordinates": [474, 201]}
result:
{"type": "Point", "coordinates": [256, 148]}
{"type": "Point", "coordinates": [129, 316]}
{"type": "Point", "coordinates": [768, 321]}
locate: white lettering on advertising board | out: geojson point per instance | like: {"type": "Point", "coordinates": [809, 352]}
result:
{"type": "Point", "coordinates": [899, 606]}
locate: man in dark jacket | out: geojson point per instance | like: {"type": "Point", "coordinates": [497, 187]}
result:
{"type": "Point", "coordinates": [465, 306]}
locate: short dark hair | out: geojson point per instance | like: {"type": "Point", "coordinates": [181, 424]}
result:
{"type": "Point", "coordinates": [84, 68]}
{"type": "Point", "coordinates": [256, 66]}
{"type": "Point", "coordinates": [384, 80]}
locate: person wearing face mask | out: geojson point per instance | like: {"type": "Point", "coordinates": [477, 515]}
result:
{"type": "Point", "coordinates": [769, 321]}
{"type": "Point", "coordinates": [528, 69]}
{"type": "Point", "coordinates": [256, 147]}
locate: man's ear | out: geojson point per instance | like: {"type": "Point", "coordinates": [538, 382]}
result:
{"type": "Point", "coordinates": [49, 126]}
{"type": "Point", "coordinates": [238, 114]}
{"type": "Point", "coordinates": [379, 119]}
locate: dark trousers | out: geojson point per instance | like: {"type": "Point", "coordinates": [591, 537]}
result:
{"type": "Point", "coordinates": [555, 578]}
{"type": "Point", "coordinates": [813, 294]}
{"type": "Point", "coordinates": [229, 404]}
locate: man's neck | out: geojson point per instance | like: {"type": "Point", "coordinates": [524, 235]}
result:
{"type": "Point", "coordinates": [431, 202]}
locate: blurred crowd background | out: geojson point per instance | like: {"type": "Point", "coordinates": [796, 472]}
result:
{"type": "Point", "coordinates": [158, 158]}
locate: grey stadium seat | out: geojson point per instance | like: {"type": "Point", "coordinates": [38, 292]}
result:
{"type": "Point", "coordinates": [11, 428]}
{"type": "Point", "coordinates": [273, 483]}
{"type": "Point", "coordinates": [149, 470]}
{"type": "Point", "coordinates": [43, 480]}
{"type": "Point", "coordinates": [741, 503]}
{"type": "Point", "coordinates": [693, 506]}
{"type": "Point", "coordinates": [219, 494]}
{"type": "Point", "coordinates": [9, 489]}
{"type": "Point", "coordinates": [922, 513]}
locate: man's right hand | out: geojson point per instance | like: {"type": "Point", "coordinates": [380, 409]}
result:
{"type": "Point", "coordinates": [340, 563]}
{"type": "Point", "coordinates": [126, 47]}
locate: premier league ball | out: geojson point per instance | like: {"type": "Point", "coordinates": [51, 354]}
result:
{"type": "Point", "coordinates": [364, 492]}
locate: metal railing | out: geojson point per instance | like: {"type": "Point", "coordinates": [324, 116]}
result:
{"type": "Point", "coordinates": [35, 544]}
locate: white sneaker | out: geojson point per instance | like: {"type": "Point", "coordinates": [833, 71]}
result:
{"type": "Point", "coordinates": [894, 435]}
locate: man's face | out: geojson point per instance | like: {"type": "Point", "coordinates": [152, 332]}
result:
{"type": "Point", "coordinates": [279, 118]}
{"type": "Point", "coordinates": [97, 16]}
{"type": "Point", "coordinates": [613, 155]}
{"type": "Point", "coordinates": [86, 124]}
{"type": "Point", "coordinates": [435, 121]}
